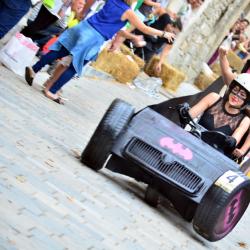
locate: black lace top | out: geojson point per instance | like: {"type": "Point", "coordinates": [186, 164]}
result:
{"type": "Point", "coordinates": [217, 118]}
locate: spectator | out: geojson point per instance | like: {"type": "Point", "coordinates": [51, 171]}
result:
{"type": "Point", "coordinates": [188, 10]}
{"type": "Point", "coordinates": [244, 49]}
{"type": "Point", "coordinates": [72, 17]}
{"type": "Point", "coordinates": [57, 70]}
{"type": "Point", "coordinates": [11, 12]}
{"type": "Point", "coordinates": [121, 36]}
{"type": "Point", "coordinates": [238, 37]}
{"type": "Point", "coordinates": [156, 44]}
{"type": "Point", "coordinates": [147, 8]}
{"type": "Point", "coordinates": [50, 12]}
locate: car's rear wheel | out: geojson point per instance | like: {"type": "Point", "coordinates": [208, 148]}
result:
{"type": "Point", "coordinates": [110, 127]}
{"type": "Point", "coordinates": [222, 207]}
{"type": "Point", "coordinates": [152, 196]}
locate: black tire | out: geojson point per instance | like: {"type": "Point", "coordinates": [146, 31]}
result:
{"type": "Point", "coordinates": [112, 124]}
{"type": "Point", "coordinates": [152, 196]}
{"type": "Point", "coordinates": [220, 211]}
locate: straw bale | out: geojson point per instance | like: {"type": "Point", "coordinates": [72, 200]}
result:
{"type": "Point", "coordinates": [171, 77]}
{"type": "Point", "coordinates": [203, 80]}
{"type": "Point", "coordinates": [126, 51]}
{"type": "Point", "coordinates": [122, 67]}
{"type": "Point", "coordinates": [234, 61]}
{"type": "Point", "coordinates": [215, 67]}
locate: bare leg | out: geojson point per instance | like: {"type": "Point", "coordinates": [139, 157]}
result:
{"type": "Point", "coordinates": [65, 77]}
{"type": "Point", "coordinates": [60, 68]}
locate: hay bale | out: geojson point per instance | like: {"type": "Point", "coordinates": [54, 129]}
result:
{"type": "Point", "coordinates": [122, 67]}
{"type": "Point", "coordinates": [234, 61]}
{"type": "Point", "coordinates": [126, 51]}
{"type": "Point", "coordinates": [171, 77]}
{"type": "Point", "coordinates": [203, 80]}
{"type": "Point", "coordinates": [215, 67]}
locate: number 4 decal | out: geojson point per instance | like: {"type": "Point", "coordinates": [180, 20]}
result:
{"type": "Point", "coordinates": [229, 181]}
{"type": "Point", "coordinates": [232, 178]}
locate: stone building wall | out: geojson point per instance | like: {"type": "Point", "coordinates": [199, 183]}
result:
{"type": "Point", "coordinates": [203, 35]}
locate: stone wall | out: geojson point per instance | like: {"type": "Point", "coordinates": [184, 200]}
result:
{"type": "Point", "coordinates": [203, 35]}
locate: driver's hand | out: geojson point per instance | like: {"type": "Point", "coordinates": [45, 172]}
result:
{"type": "Point", "coordinates": [223, 51]}
{"type": "Point", "coordinates": [230, 142]}
{"type": "Point", "coordinates": [238, 153]}
{"type": "Point", "coordinates": [183, 107]}
{"type": "Point", "coordinates": [183, 113]}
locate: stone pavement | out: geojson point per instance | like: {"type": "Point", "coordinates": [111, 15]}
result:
{"type": "Point", "coordinates": [49, 200]}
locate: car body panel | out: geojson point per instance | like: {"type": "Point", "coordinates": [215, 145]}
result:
{"type": "Point", "coordinates": [176, 145]}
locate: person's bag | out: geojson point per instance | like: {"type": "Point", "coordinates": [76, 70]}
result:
{"type": "Point", "coordinates": [18, 53]}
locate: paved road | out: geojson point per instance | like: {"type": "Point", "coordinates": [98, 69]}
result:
{"type": "Point", "coordinates": [51, 201]}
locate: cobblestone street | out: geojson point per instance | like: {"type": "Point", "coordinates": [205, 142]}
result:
{"type": "Point", "coordinates": [49, 200]}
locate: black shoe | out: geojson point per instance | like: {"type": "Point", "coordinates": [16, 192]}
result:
{"type": "Point", "coordinates": [29, 75]}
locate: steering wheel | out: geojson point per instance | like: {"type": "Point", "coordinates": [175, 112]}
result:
{"type": "Point", "coordinates": [185, 117]}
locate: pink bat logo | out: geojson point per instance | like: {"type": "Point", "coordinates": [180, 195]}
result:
{"type": "Point", "coordinates": [176, 148]}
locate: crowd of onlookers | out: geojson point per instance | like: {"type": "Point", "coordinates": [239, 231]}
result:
{"type": "Point", "coordinates": [47, 19]}
{"type": "Point", "coordinates": [237, 40]}
{"type": "Point", "coordinates": [240, 40]}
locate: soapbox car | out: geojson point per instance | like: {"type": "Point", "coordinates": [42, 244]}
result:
{"type": "Point", "coordinates": [204, 185]}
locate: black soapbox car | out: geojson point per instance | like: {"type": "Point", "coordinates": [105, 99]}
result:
{"type": "Point", "coordinates": [204, 185]}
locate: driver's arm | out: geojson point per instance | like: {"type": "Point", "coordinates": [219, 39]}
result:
{"type": "Point", "coordinates": [241, 130]}
{"type": "Point", "coordinates": [203, 104]}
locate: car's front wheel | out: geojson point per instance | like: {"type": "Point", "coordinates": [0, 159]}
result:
{"type": "Point", "coordinates": [222, 206]}
{"type": "Point", "coordinates": [112, 124]}
{"type": "Point", "coordinates": [152, 196]}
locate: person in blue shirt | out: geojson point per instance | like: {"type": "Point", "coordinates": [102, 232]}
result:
{"type": "Point", "coordinates": [84, 41]}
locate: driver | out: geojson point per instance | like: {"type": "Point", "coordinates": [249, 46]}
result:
{"type": "Point", "coordinates": [228, 76]}
{"type": "Point", "coordinates": [226, 114]}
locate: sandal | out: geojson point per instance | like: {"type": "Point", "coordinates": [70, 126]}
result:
{"type": "Point", "coordinates": [29, 75]}
{"type": "Point", "coordinates": [58, 100]}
